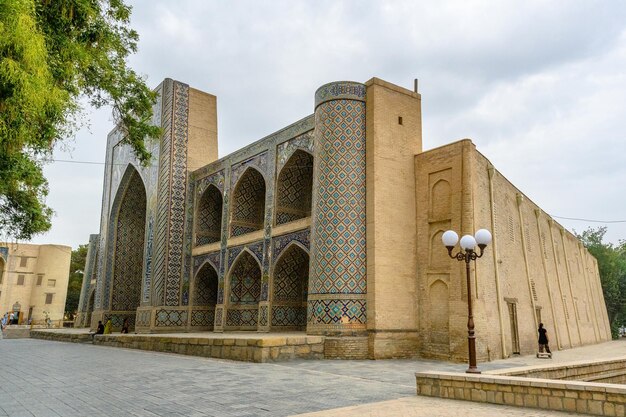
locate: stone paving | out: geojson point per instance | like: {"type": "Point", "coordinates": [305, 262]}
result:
{"type": "Point", "coordinates": [42, 378]}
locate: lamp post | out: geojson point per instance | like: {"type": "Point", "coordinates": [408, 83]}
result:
{"type": "Point", "coordinates": [467, 253]}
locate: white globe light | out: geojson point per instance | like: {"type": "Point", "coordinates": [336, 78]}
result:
{"type": "Point", "coordinates": [468, 242]}
{"type": "Point", "coordinates": [483, 237]}
{"type": "Point", "coordinates": [449, 238]}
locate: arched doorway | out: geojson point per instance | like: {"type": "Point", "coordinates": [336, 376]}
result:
{"type": "Point", "coordinates": [248, 203]}
{"type": "Point", "coordinates": [244, 293]}
{"type": "Point", "coordinates": [209, 220]}
{"type": "Point", "coordinates": [128, 248]}
{"type": "Point", "coordinates": [290, 289]}
{"type": "Point", "coordinates": [204, 297]}
{"type": "Point", "coordinates": [294, 188]}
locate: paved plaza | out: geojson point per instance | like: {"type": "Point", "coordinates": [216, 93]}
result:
{"type": "Point", "coordinates": [42, 378]}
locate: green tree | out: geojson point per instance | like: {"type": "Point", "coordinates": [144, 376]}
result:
{"type": "Point", "coordinates": [53, 53]}
{"type": "Point", "coordinates": [612, 267]}
{"type": "Point", "coordinates": [77, 268]}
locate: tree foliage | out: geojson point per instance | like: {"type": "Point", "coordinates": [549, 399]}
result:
{"type": "Point", "coordinates": [53, 53]}
{"type": "Point", "coordinates": [77, 268]}
{"type": "Point", "coordinates": [612, 267]}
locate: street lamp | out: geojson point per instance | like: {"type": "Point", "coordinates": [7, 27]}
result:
{"type": "Point", "coordinates": [468, 243]}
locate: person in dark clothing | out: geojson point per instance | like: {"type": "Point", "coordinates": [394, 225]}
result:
{"type": "Point", "coordinates": [99, 330]}
{"type": "Point", "coordinates": [543, 339]}
{"type": "Point", "coordinates": [125, 326]}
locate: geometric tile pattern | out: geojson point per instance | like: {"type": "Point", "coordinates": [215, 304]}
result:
{"type": "Point", "coordinates": [248, 203]}
{"type": "Point", "coordinates": [332, 311]}
{"type": "Point", "coordinates": [88, 273]}
{"type": "Point", "coordinates": [339, 246]}
{"type": "Point", "coordinates": [258, 161]}
{"type": "Point", "coordinates": [240, 318]}
{"type": "Point", "coordinates": [178, 190]}
{"type": "Point", "coordinates": [209, 217]}
{"type": "Point", "coordinates": [245, 281]}
{"type": "Point", "coordinates": [289, 316]}
{"type": "Point", "coordinates": [213, 258]}
{"type": "Point", "coordinates": [171, 318]}
{"type": "Point", "coordinates": [205, 291]}
{"type": "Point", "coordinates": [263, 316]}
{"type": "Point", "coordinates": [203, 318]}
{"type": "Point", "coordinates": [163, 197]}
{"type": "Point", "coordinates": [342, 89]}
{"type": "Point", "coordinates": [286, 149]}
{"type": "Point", "coordinates": [129, 239]}
{"type": "Point", "coordinates": [143, 318]}
{"type": "Point", "coordinates": [293, 188]}
{"type": "Point", "coordinates": [291, 276]}
{"type": "Point", "coordinates": [169, 254]}
{"type": "Point", "coordinates": [256, 248]}
{"type": "Point", "coordinates": [281, 242]}
{"type": "Point", "coordinates": [216, 179]}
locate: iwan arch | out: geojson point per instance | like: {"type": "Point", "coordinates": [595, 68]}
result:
{"type": "Point", "coordinates": [332, 226]}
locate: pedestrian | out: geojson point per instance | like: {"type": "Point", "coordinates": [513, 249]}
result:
{"type": "Point", "coordinates": [125, 326]}
{"type": "Point", "coordinates": [108, 327]}
{"type": "Point", "coordinates": [99, 330]}
{"type": "Point", "coordinates": [543, 340]}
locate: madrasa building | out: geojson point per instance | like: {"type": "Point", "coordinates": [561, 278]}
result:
{"type": "Point", "coordinates": [331, 226]}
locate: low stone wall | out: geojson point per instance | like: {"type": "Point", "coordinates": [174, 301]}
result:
{"type": "Point", "coordinates": [611, 371]}
{"type": "Point", "coordinates": [346, 347]}
{"type": "Point", "coordinates": [571, 396]}
{"type": "Point", "coordinates": [16, 332]}
{"type": "Point", "coordinates": [251, 349]}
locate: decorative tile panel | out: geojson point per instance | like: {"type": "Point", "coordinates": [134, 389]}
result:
{"type": "Point", "coordinates": [286, 149]}
{"type": "Point", "coordinates": [245, 281]}
{"type": "Point", "coordinates": [288, 316]}
{"type": "Point", "coordinates": [202, 318]}
{"type": "Point", "coordinates": [258, 161]}
{"type": "Point", "coordinates": [337, 311]}
{"type": "Point", "coordinates": [216, 179]}
{"type": "Point", "coordinates": [281, 242]}
{"type": "Point", "coordinates": [291, 276]}
{"type": "Point", "coordinates": [129, 249]}
{"type": "Point", "coordinates": [214, 258]}
{"type": "Point", "coordinates": [171, 318]}
{"type": "Point", "coordinates": [242, 317]}
{"type": "Point", "coordinates": [345, 90]}
{"type": "Point", "coordinates": [205, 286]}
{"type": "Point", "coordinates": [248, 203]}
{"type": "Point", "coordinates": [294, 188]}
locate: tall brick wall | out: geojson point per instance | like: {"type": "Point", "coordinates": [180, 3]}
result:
{"type": "Point", "coordinates": [533, 269]}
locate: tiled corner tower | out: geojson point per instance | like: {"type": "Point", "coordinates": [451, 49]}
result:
{"type": "Point", "coordinates": [338, 282]}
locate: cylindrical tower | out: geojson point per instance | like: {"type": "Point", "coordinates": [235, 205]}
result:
{"type": "Point", "coordinates": [338, 286]}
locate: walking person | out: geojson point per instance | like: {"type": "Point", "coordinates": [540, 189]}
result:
{"type": "Point", "coordinates": [543, 340]}
{"type": "Point", "coordinates": [125, 326]}
{"type": "Point", "coordinates": [108, 328]}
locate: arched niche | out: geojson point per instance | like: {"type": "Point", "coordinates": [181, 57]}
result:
{"type": "Point", "coordinates": [129, 223]}
{"type": "Point", "coordinates": [290, 289]}
{"type": "Point", "coordinates": [248, 203]}
{"type": "Point", "coordinates": [439, 258]}
{"type": "Point", "coordinates": [244, 293]}
{"type": "Point", "coordinates": [209, 216]}
{"type": "Point", "coordinates": [439, 312]}
{"type": "Point", "coordinates": [205, 287]}
{"type": "Point", "coordinates": [440, 200]}
{"type": "Point", "coordinates": [294, 188]}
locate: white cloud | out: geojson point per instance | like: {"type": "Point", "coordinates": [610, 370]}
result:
{"type": "Point", "coordinates": [539, 86]}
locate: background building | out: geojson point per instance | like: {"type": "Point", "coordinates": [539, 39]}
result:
{"type": "Point", "coordinates": [331, 225]}
{"type": "Point", "coordinates": [33, 280]}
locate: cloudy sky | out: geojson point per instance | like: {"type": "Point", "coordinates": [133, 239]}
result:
{"type": "Point", "coordinates": [539, 86]}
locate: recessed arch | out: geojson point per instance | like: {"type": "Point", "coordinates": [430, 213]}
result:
{"type": "Point", "coordinates": [439, 312]}
{"type": "Point", "coordinates": [290, 280]}
{"type": "Point", "coordinates": [439, 258]}
{"type": "Point", "coordinates": [294, 187]}
{"type": "Point", "coordinates": [128, 250]}
{"type": "Point", "coordinates": [441, 200]}
{"type": "Point", "coordinates": [209, 216]}
{"type": "Point", "coordinates": [244, 292]}
{"type": "Point", "coordinates": [1, 270]}
{"type": "Point", "coordinates": [205, 286]}
{"type": "Point", "coordinates": [248, 203]}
